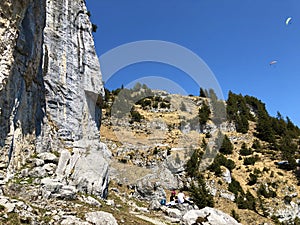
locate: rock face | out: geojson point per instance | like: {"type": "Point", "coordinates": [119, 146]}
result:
{"type": "Point", "coordinates": [51, 91]}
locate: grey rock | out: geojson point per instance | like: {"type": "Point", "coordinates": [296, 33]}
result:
{"type": "Point", "coordinates": [38, 162]}
{"type": "Point", "coordinates": [101, 218]}
{"type": "Point", "coordinates": [50, 92]}
{"type": "Point", "coordinates": [227, 195]}
{"type": "Point", "coordinates": [148, 188]}
{"type": "Point", "coordinates": [91, 174]}
{"type": "Point", "coordinates": [110, 202]}
{"type": "Point", "coordinates": [48, 157]}
{"type": "Point", "coordinates": [38, 172]}
{"type": "Point", "coordinates": [288, 212]}
{"type": "Point", "coordinates": [24, 172]}
{"type": "Point", "coordinates": [21, 91]}
{"type": "Point", "coordinates": [174, 166]}
{"type": "Point", "coordinates": [64, 158]}
{"type": "Point", "coordinates": [210, 216]}
{"type": "Point", "coordinates": [50, 168]}
{"type": "Point", "coordinates": [10, 207]}
{"type": "Point", "coordinates": [67, 192]}
{"type": "Point", "coordinates": [91, 201]}
{"type": "Point", "coordinates": [154, 205]}
{"type": "Point", "coordinates": [73, 220]}
{"type": "Point", "coordinates": [50, 187]}
{"type": "Point", "coordinates": [226, 175]}
{"type": "Point", "coordinates": [211, 187]}
{"type": "Point", "coordinates": [173, 213]}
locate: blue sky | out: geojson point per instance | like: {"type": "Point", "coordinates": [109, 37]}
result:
{"type": "Point", "coordinates": [236, 39]}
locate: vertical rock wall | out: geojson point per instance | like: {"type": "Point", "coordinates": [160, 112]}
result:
{"type": "Point", "coordinates": [51, 91]}
{"type": "Point", "coordinates": [22, 99]}
{"type": "Point", "coordinates": [71, 72]}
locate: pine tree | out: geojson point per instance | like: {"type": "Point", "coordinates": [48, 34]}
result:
{"type": "Point", "coordinates": [226, 147]}
{"type": "Point", "coordinates": [204, 113]}
{"type": "Point", "coordinates": [202, 93]}
{"type": "Point", "coordinates": [200, 194]}
{"type": "Point", "coordinates": [192, 165]}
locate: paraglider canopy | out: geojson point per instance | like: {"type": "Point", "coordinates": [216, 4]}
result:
{"type": "Point", "coordinates": [273, 62]}
{"type": "Point", "coordinates": [288, 20]}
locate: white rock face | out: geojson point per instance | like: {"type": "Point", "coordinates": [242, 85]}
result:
{"type": "Point", "coordinates": [72, 76]}
{"type": "Point", "coordinates": [51, 91]}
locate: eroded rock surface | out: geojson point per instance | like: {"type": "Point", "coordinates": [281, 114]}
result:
{"type": "Point", "coordinates": [50, 94]}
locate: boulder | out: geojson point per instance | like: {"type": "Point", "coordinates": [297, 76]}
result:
{"type": "Point", "coordinates": [90, 200]}
{"type": "Point", "coordinates": [38, 172]}
{"type": "Point", "coordinates": [149, 189]}
{"type": "Point", "coordinates": [226, 175]}
{"type": "Point", "coordinates": [227, 195]}
{"type": "Point", "coordinates": [48, 157]}
{"type": "Point", "coordinates": [72, 220]}
{"type": "Point", "coordinates": [154, 205]}
{"type": "Point", "coordinates": [173, 213]}
{"type": "Point", "coordinates": [101, 218]}
{"type": "Point", "coordinates": [208, 216]}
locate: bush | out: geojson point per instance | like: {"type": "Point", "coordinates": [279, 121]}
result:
{"type": "Point", "coordinates": [246, 201]}
{"type": "Point", "coordinates": [221, 160]}
{"type": "Point", "coordinates": [204, 113]}
{"type": "Point", "coordinates": [267, 194]}
{"type": "Point", "coordinates": [94, 28]}
{"type": "Point", "coordinates": [235, 187]}
{"type": "Point", "coordinates": [244, 150]}
{"type": "Point", "coordinates": [135, 116]}
{"type": "Point", "coordinates": [144, 102]}
{"type": "Point", "coordinates": [252, 179]}
{"type": "Point", "coordinates": [164, 105]}
{"type": "Point", "coordinates": [156, 151]}
{"type": "Point", "coordinates": [256, 144]}
{"type": "Point", "coordinates": [250, 161]}
{"type": "Point", "coordinates": [226, 146]}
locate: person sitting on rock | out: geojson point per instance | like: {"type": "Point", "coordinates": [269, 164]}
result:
{"type": "Point", "coordinates": [173, 195]}
{"type": "Point", "coordinates": [180, 197]}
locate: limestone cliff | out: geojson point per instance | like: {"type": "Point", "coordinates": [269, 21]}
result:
{"type": "Point", "coordinates": [51, 91]}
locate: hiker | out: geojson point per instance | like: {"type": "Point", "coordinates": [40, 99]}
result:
{"type": "Point", "coordinates": [173, 195]}
{"type": "Point", "coordinates": [181, 197]}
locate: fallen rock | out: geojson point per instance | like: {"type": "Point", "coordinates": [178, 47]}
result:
{"type": "Point", "coordinates": [173, 213]}
{"type": "Point", "coordinates": [48, 157]}
{"type": "Point", "coordinates": [226, 175]}
{"type": "Point", "coordinates": [37, 172]}
{"type": "Point", "coordinates": [90, 200]}
{"type": "Point", "coordinates": [72, 220]}
{"type": "Point", "coordinates": [154, 205]}
{"type": "Point", "coordinates": [208, 216]}
{"type": "Point", "coordinates": [101, 218]}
